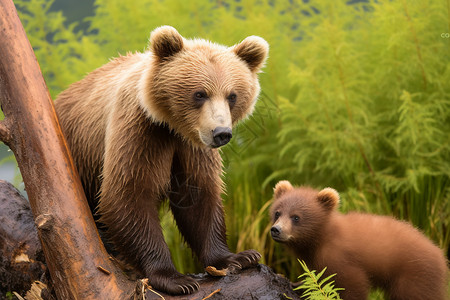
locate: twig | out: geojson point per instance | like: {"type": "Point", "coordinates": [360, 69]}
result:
{"type": "Point", "coordinates": [210, 295]}
{"type": "Point", "coordinates": [104, 270]}
{"type": "Point", "coordinates": [18, 296]}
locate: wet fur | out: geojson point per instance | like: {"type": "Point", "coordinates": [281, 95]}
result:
{"type": "Point", "coordinates": [364, 250]}
{"type": "Point", "coordinates": [130, 126]}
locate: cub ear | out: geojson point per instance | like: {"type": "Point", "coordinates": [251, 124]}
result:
{"type": "Point", "coordinates": [329, 198]}
{"type": "Point", "coordinates": [281, 188]}
{"type": "Point", "coordinates": [165, 41]}
{"type": "Point", "coordinates": [253, 50]}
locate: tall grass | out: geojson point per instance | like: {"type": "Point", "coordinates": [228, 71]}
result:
{"type": "Point", "coordinates": [355, 96]}
{"type": "Point", "coordinates": [378, 130]}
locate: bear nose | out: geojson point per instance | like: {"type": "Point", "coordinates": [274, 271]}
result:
{"type": "Point", "coordinates": [221, 136]}
{"type": "Point", "coordinates": [275, 231]}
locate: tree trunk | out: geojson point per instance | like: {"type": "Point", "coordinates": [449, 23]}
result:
{"type": "Point", "coordinates": [74, 253]}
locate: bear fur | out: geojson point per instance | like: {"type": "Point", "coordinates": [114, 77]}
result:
{"type": "Point", "coordinates": [144, 128]}
{"type": "Point", "coordinates": [363, 250]}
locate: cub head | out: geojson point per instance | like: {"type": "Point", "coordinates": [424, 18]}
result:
{"type": "Point", "coordinates": [299, 214]}
{"type": "Point", "coordinates": [201, 89]}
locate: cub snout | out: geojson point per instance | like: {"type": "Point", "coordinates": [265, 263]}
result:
{"type": "Point", "coordinates": [280, 234]}
{"type": "Point", "coordinates": [277, 234]}
{"type": "Point", "coordinates": [275, 231]}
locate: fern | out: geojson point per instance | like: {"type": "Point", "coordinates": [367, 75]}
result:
{"type": "Point", "coordinates": [316, 288]}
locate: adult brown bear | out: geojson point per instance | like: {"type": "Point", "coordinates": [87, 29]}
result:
{"type": "Point", "coordinates": [144, 127]}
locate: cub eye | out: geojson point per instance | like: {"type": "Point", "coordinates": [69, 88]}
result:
{"type": "Point", "coordinates": [295, 219]}
{"type": "Point", "coordinates": [277, 215]}
{"type": "Point", "coordinates": [200, 96]}
{"type": "Point", "coordinates": [232, 99]}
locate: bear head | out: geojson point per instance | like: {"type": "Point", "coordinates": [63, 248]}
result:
{"type": "Point", "coordinates": [201, 89]}
{"type": "Point", "coordinates": [299, 214]}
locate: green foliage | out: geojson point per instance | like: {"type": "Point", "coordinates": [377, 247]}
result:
{"type": "Point", "coordinates": [316, 288]}
{"type": "Point", "coordinates": [64, 56]}
{"type": "Point", "coordinates": [370, 113]}
{"type": "Point", "coordinates": [355, 96]}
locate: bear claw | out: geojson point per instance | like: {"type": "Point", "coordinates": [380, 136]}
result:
{"type": "Point", "coordinates": [256, 256]}
{"type": "Point", "coordinates": [188, 288]}
{"type": "Point", "coordinates": [182, 288]}
{"type": "Point", "coordinates": [235, 265]}
{"type": "Point", "coordinates": [244, 260]}
{"type": "Point", "coordinates": [173, 283]}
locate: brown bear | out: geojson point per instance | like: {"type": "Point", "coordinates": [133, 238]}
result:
{"type": "Point", "coordinates": [363, 250]}
{"type": "Point", "coordinates": [144, 128]}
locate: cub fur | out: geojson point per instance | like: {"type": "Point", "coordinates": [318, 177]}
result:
{"type": "Point", "coordinates": [363, 250]}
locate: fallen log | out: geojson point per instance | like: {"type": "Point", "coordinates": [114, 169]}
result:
{"type": "Point", "coordinates": [21, 258]}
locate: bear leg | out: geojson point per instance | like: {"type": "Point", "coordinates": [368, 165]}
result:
{"type": "Point", "coordinates": [197, 207]}
{"type": "Point", "coordinates": [134, 183]}
{"type": "Point", "coordinates": [351, 277]}
{"type": "Point", "coordinates": [151, 255]}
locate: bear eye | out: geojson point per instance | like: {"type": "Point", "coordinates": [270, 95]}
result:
{"type": "Point", "coordinates": [277, 215]}
{"type": "Point", "coordinates": [232, 99]}
{"type": "Point", "coordinates": [295, 219]}
{"type": "Point", "coordinates": [200, 96]}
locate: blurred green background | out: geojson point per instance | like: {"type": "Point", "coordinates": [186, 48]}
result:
{"type": "Point", "coordinates": [355, 95]}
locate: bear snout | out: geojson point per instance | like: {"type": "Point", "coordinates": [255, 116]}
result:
{"type": "Point", "coordinates": [280, 233]}
{"type": "Point", "coordinates": [275, 231]}
{"type": "Point", "coordinates": [221, 136]}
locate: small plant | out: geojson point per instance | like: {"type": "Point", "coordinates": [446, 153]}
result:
{"type": "Point", "coordinates": [316, 288]}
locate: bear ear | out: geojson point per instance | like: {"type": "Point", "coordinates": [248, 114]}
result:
{"type": "Point", "coordinates": [253, 50]}
{"type": "Point", "coordinates": [329, 198]}
{"type": "Point", "coordinates": [281, 188]}
{"type": "Point", "coordinates": [165, 41]}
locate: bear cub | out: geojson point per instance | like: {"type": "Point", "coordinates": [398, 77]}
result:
{"type": "Point", "coordinates": [363, 250]}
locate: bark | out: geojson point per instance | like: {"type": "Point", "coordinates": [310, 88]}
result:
{"type": "Point", "coordinates": [66, 228]}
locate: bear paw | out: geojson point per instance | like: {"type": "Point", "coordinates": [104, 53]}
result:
{"type": "Point", "coordinates": [243, 260]}
{"type": "Point", "coordinates": [173, 283]}
{"type": "Point", "coordinates": [239, 261]}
